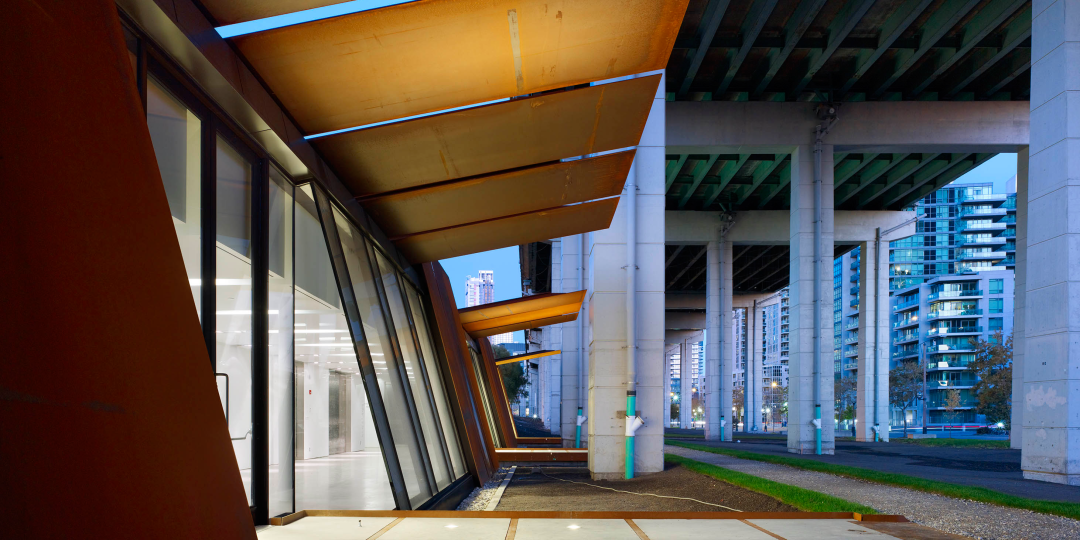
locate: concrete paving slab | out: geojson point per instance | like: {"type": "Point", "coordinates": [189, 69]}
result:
{"type": "Point", "coordinates": [328, 528]}
{"type": "Point", "coordinates": [834, 529]}
{"type": "Point", "coordinates": [594, 529]}
{"type": "Point", "coordinates": [447, 529]}
{"type": "Point", "coordinates": [679, 529]}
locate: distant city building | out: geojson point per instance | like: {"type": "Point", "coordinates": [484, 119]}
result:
{"type": "Point", "coordinates": [500, 339]}
{"type": "Point", "coordinates": [950, 283]}
{"type": "Point", "coordinates": [480, 290]}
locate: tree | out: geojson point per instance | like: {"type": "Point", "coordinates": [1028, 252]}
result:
{"type": "Point", "coordinates": [905, 388]}
{"type": "Point", "coordinates": [515, 381]}
{"type": "Point", "coordinates": [952, 402]}
{"type": "Point", "coordinates": [846, 392]}
{"type": "Point", "coordinates": [501, 352]}
{"type": "Point", "coordinates": [993, 366]}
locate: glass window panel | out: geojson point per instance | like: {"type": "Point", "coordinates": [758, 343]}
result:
{"type": "Point", "coordinates": [485, 396]}
{"type": "Point", "coordinates": [432, 439]}
{"type": "Point", "coordinates": [442, 404]}
{"type": "Point", "coordinates": [386, 364]}
{"type": "Point", "coordinates": [233, 317]}
{"type": "Point", "coordinates": [353, 476]}
{"type": "Point", "coordinates": [280, 340]}
{"type": "Point", "coordinates": [176, 134]}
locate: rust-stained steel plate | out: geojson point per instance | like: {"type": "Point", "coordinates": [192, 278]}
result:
{"type": "Point", "coordinates": [492, 138]}
{"type": "Point", "coordinates": [494, 196]}
{"type": "Point", "coordinates": [508, 231]}
{"type": "Point", "coordinates": [518, 313]}
{"type": "Point", "coordinates": [524, 357]}
{"type": "Point", "coordinates": [428, 56]}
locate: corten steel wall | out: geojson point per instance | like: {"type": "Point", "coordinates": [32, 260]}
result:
{"type": "Point", "coordinates": [477, 442]}
{"type": "Point", "coordinates": [112, 426]}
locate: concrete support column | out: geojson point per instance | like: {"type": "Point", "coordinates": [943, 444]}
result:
{"type": "Point", "coordinates": [609, 349]}
{"type": "Point", "coordinates": [667, 388]}
{"type": "Point", "coordinates": [685, 385]}
{"type": "Point", "coordinates": [1016, 423]}
{"type": "Point", "coordinates": [718, 349]}
{"type": "Point", "coordinates": [552, 366]}
{"type": "Point", "coordinates": [1051, 416]}
{"type": "Point", "coordinates": [872, 404]}
{"type": "Point", "coordinates": [572, 279]}
{"type": "Point", "coordinates": [801, 398]}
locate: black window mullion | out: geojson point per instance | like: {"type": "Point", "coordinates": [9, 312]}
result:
{"type": "Point", "coordinates": [402, 373]}
{"type": "Point", "coordinates": [427, 381]}
{"type": "Point", "coordinates": [363, 354]}
{"type": "Point", "coordinates": [260, 327]}
{"type": "Point", "coordinates": [208, 236]}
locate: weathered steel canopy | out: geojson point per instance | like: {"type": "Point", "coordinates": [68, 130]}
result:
{"type": "Point", "coordinates": [434, 55]}
{"type": "Point", "coordinates": [524, 357]}
{"type": "Point", "coordinates": [508, 231]}
{"type": "Point", "coordinates": [496, 137]}
{"type": "Point", "coordinates": [498, 172]}
{"type": "Point", "coordinates": [482, 198]}
{"type": "Point", "coordinates": [521, 313]}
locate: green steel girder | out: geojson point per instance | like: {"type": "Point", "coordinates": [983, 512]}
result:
{"type": "Point", "coordinates": [1014, 35]}
{"type": "Point", "coordinates": [755, 21]}
{"type": "Point", "coordinates": [797, 24]}
{"type": "Point", "coordinates": [940, 22]}
{"type": "Point", "coordinates": [893, 28]}
{"type": "Point", "coordinates": [841, 26]}
{"type": "Point", "coordinates": [984, 21]}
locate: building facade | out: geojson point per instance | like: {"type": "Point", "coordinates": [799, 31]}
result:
{"type": "Point", "coordinates": [480, 289]}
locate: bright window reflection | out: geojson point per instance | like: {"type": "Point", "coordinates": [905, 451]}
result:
{"type": "Point", "coordinates": [175, 132]}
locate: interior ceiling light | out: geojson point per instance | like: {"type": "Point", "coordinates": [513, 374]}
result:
{"type": "Point", "coordinates": [300, 17]}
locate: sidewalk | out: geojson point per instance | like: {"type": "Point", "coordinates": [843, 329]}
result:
{"type": "Point", "coordinates": [996, 469]}
{"type": "Point", "coordinates": [967, 518]}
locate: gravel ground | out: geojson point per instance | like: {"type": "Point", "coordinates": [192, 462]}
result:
{"type": "Point", "coordinates": [957, 516]}
{"type": "Point", "coordinates": [562, 489]}
{"type": "Point", "coordinates": [479, 498]}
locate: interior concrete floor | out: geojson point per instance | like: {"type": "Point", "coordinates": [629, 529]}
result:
{"type": "Point", "coordinates": [349, 481]}
{"type": "Point", "coordinates": [499, 528]}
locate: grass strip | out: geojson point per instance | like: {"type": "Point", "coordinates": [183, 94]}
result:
{"type": "Point", "coordinates": [974, 493]}
{"type": "Point", "coordinates": [801, 498]}
{"type": "Point", "coordinates": [954, 443]}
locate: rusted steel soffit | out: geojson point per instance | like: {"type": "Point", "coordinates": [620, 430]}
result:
{"type": "Point", "coordinates": [458, 202]}
{"type": "Point", "coordinates": [520, 313]}
{"type": "Point", "coordinates": [491, 138]}
{"type": "Point", "coordinates": [508, 231]}
{"type": "Point", "coordinates": [434, 55]}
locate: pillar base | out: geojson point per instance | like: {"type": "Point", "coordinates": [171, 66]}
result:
{"type": "Point", "coordinates": [1055, 478]}
{"type": "Point", "coordinates": [825, 451]}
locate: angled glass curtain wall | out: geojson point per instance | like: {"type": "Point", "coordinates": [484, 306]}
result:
{"type": "Point", "coordinates": [418, 446]}
{"type": "Point", "coordinates": [324, 362]}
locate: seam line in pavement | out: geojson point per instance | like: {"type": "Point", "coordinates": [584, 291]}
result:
{"type": "Point", "coordinates": [772, 534]}
{"type": "Point", "coordinates": [511, 532]}
{"type": "Point", "coordinates": [637, 530]}
{"type": "Point", "coordinates": [383, 530]}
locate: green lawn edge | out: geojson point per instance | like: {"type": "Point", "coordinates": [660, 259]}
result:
{"type": "Point", "coordinates": [801, 498]}
{"type": "Point", "coordinates": [954, 443]}
{"type": "Point", "coordinates": [974, 493]}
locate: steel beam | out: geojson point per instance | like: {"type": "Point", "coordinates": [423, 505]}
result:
{"type": "Point", "coordinates": [785, 179]}
{"type": "Point", "coordinates": [710, 21]}
{"type": "Point", "coordinates": [761, 175]}
{"type": "Point", "coordinates": [674, 172]}
{"type": "Point", "coordinates": [753, 23]}
{"type": "Point", "coordinates": [985, 21]}
{"type": "Point", "coordinates": [926, 176]}
{"type": "Point", "coordinates": [869, 178]}
{"type": "Point", "coordinates": [1018, 32]}
{"type": "Point", "coordinates": [688, 265]}
{"type": "Point", "coordinates": [698, 176]}
{"type": "Point", "coordinates": [893, 28]}
{"type": "Point", "coordinates": [797, 24]}
{"type": "Point", "coordinates": [901, 175]}
{"type": "Point", "coordinates": [842, 25]}
{"type": "Point", "coordinates": [843, 176]}
{"type": "Point", "coordinates": [678, 249]}
{"type": "Point", "coordinates": [937, 26]}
